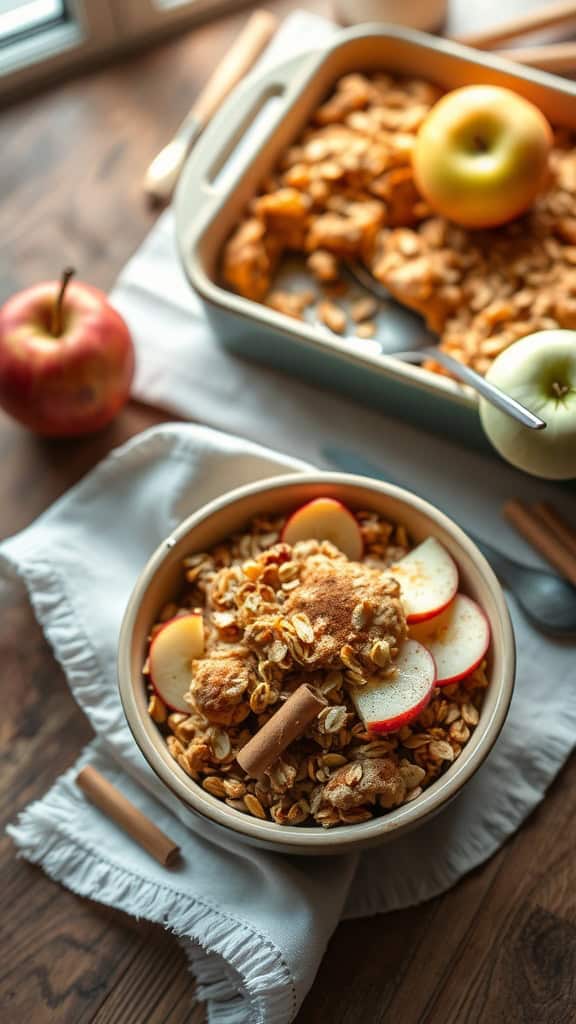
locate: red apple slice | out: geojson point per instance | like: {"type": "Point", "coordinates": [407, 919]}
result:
{"type": "Point", "coordinates": [428, 577]}
{"type": "Point", "coordinates": [458, 639]}
{"type": "Point", "coordinates": [387, 705]}
{"type": "Point", "coordinates": [172, 652]}
{"type": "Point", "coordinates": [326, 519]}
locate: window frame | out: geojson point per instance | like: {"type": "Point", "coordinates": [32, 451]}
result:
{"type": "Point", "coordinates": [97, 29]}
{"type": "Point", "coordinates": [91, 29]}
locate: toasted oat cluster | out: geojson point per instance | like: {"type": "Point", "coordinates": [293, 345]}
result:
{"type": "Point", "coordinates": [346, 191]}
{"type": "Point", "coordinates": [274, 616]}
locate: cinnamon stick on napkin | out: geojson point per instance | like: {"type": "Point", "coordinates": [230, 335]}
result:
{"type": "Point", "coordinates": [114, 804]}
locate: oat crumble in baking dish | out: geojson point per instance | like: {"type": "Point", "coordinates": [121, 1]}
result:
{"type": "Point", "coordinates": [266, 620]}
{"type": "Point", "coordinates": [345, 190]}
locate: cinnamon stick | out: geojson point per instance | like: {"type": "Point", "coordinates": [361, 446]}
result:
{"type": "Point", "coordinates": [552, 15]}
{"type": "Point", "coordinates": [114, 805]}
{"type": "Point", "coordinates": [289, 722]}
{"type": "Point", "coordinates": [542, 538]}
{"type": "Point", "coordinates": [558, 525]}
{"type": "Point", "coordinates": [557, 57]}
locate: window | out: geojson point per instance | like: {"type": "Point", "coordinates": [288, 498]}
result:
{"type": "Point", "coordinates": [40, 38]}
{"type": "Point", "coordinates": [21, 17]}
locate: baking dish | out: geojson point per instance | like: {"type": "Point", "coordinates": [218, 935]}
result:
{"type": "Point", "coordinates": [160, 579]}
{"type": "Point", "coordinates": [217, 183]}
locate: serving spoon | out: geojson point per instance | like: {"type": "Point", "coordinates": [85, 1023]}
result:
{"type": "Point", "coordinates": [490, 392]}
{"type": "Point", "coordinates": [548, 601]}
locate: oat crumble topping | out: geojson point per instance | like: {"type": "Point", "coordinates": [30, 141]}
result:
{"type": "Point", "coordinates": [275, 616]}
{"type": "Point", "coordinates": [345, 190]}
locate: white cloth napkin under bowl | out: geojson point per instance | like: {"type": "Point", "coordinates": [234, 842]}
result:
{"type": "Point", "coordinates": [255, 925]}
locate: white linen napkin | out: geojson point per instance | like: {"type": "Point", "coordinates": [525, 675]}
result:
{"type": "Point", "coordinates": [255, 925]}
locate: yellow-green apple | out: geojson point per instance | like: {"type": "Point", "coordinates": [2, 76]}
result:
{"type": "Point", "coordinates": [173, 649]}
{"type": "Point", "coordinates": [457, 639]}
{"type": "Point", "coordinates": [540, 371]}
{"type": "Point", "coordinates": [481, 155]}
{"type": "Point", "coordinates": [385, 705]}
{"type": "Point", "coordinates": [325, 519]}
{"type": "Point", "coordinates": [428, 578]}
{"type": "Point", "coordinates": [66, 358]}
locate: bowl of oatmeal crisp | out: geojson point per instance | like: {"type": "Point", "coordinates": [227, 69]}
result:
{"type": "Point", "coordinates": [316, 662]}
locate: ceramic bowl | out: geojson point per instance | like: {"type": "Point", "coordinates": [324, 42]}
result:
{"type": "Point", "coordinates": [161, 580]}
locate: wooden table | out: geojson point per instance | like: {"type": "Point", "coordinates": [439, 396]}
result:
{"type": "Point", "coordinates": [500, 947]}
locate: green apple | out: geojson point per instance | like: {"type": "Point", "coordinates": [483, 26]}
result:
{"type": "Point", "coordinates": [539, 371]}
{"type": "Point", "coordinates": [481, 155]}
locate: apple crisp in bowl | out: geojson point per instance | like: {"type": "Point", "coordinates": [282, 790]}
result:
{"type": "Point", "coordinates": [316, 667]}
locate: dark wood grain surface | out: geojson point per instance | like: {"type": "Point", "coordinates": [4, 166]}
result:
{"type": "Point", "coordinates": [501, 947]}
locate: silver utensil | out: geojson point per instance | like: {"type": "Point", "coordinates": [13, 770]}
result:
{"type": "Point", "coordinates": [490, 392]}
{"type": "Point", "coordinates": [548, 601]}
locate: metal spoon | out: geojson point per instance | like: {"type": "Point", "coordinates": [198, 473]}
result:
{"type": "Point", "coordinates": [490, 392]}
{"type": "Point", "coordinates": [548, 601]}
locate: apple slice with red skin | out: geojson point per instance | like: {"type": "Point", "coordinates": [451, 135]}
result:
{"type": "Point", "coordinates": [387, 705]}
{"type": "Point", "coordinates": [326, 519]}
{"type": "Point", "coordinates": [458, 639]}
{"type": "Point", "coordinates": [428, 577]}
{"type": "Point", "coordinates": [172, 652]}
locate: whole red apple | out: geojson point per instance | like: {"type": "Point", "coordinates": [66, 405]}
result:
{"type": "Point", "coordinates": [66, 358]}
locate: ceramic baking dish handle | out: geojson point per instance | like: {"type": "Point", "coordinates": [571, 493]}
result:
{"type": "Point", "coordinates": [248, 118]}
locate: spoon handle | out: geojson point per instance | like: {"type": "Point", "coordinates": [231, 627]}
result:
{"type": "Point", "coordinates": [490, 392]}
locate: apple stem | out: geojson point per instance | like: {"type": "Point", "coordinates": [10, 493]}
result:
{"type": "Point", "coordinates": [560, 389]}
{"type": "Point", "coordinates": [56, 324]}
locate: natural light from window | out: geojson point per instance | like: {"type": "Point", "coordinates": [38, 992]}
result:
{"type": "Point", "coordinates": [18, 17]}
{"type": "Point", "coordinates": [42, 38]}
